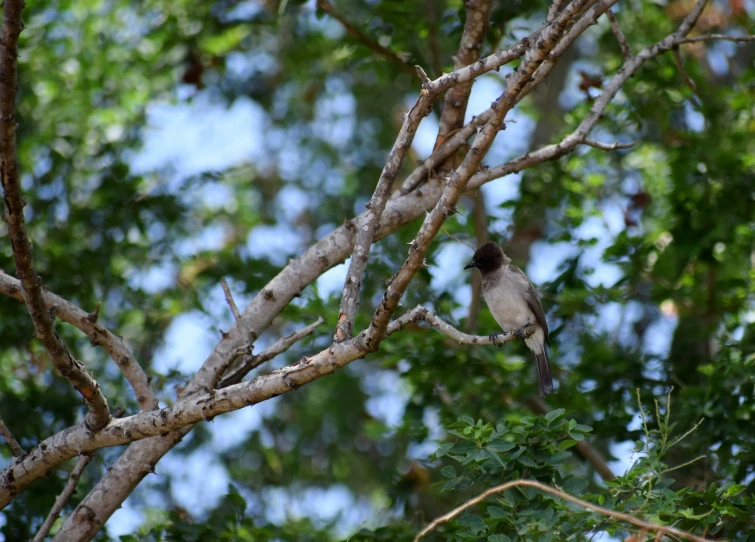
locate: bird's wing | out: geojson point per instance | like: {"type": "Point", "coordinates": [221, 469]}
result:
{"type": "Point", "coordinates": [533, 300]}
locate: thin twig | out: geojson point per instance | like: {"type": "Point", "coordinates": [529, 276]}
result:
{"type": "Point", "coordinates": [680, 68]}
{"type": "Point", "coordinates": [15, 447]}
{"type": "Point", "coordinates": [420, 313]}
{"type": "Point", "coordinates": [280, 346]}
{"type": "Point", "coordinates": [442, 153]}
{"type": "Point", "coordinates": [620, 37]}
{"type": "Point", "coordinates": [60, 502]}
{"type": "Point", "coordinates": [608, 146]}
{"type": "Point", "coordinates": [570, 498]}
{"type": "Point", "coordinates": [711, 37]}
{"type": "Point", "coordinates": [363, 38]}
{"type": "Point", "coordinates": [98, 335]}
{"type": "Point", "coordinates": [230, 301]}
{"type": "Point", "coordinates": [44, 329]}
{"type": "Point", "coordinates": [610, 90]}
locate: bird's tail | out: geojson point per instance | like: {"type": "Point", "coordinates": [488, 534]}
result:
{"type": "Point", "coordinates": [544, 373]}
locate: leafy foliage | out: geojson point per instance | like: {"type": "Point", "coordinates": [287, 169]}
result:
{"type": "Point", "coordinates": [643, 258]}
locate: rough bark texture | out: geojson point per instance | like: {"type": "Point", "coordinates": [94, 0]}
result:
{"type": "Point", "coordinates": [31, 284]}
{"type": "Point", "coordinates": [152, 433]}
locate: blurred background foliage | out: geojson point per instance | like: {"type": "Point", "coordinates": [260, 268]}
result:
{"type": "Point", "coordinates": [644, 259]}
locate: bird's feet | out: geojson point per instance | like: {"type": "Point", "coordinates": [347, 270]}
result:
{"type": "Point", "coordinates": [494, 336]}
{"type": "Point", "coordinates": [521, 332]}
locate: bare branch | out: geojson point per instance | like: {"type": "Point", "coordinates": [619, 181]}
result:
{"type": "Point", "coordinates": [579, 135]}
{"type": "Point", "coordinates": [98, 335]}
{"type": "Point", "coordinates": [15, 447]}
{"type": "Point", "coordinates": [442, 153]}
{"type": "Point", "coordinates": [470, 46]}
{"type": "Point", "coordinates": [680, 68]}
{"type": "Point", "coordinates": [553, 10]}
{"type": "Point", "coordinates": [457, 183]}
{"type": "Point", "coordinates": [420, 313]}
{"type": "Point", "coordinates": [363, 38]}
{"type": "Point", "coordinates": [375, 208]}
{"type": "Point", "coordinates": [589, 19]}
{"type": "Point", "coordinates": [608, 146]}
{"type": "Point", "coordinates": [277, 348]}
{"type": "Point", "coordinates": [452, 118]}
{"type": "Point", "coordinates": [570, 498]}
{"type": "Point", "coordinates": [77, 440]}
{"type": "Point", "coordinates": [620, 37]}
{"type": "Point", "coordinates": [141, 457]}
{"type": "Point", "coordinates": [582, 447]}
{"type": "Point", "coordinates": [62, 499]}
{"type": "Point", "coordinates": [230, 301]}
{"type": "Point", "coordinates": [712, 37]}
{"type": "Point", "coordinates": [67, 366]}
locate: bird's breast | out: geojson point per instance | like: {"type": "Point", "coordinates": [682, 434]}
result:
{"type": "Point", "coordinates": [506, 303]}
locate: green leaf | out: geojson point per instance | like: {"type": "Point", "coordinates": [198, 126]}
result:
{"type": "Point", "coordinates": [500, 445]}
{"type": "Point", "coordinates": [472, 521]}
{"type": "Point", "coordinates": [735, 490]}
{"type": "Point", "coordinates": [558, 458]}
{"type": "Point", "coordinates": [527, 461]}
{"type": "Point", "coordinates": [444, 449]}
{"type": "Point", "coordinates": [465, 419]}
{"type": "Point", "coordinates": [448, 471]}
{"type": "Point", "coordinates": [498, 538]}
{"type": "Point", "coordinates": [500, 426]}
{"type": "Point", "coordinates": [575, 486]}
{"type": "Point", "coordinates": [553, 414]}
{"type": "Point", "coordinates": [564, 444]}
{"type": "Point", "coordinates": [496, 512]}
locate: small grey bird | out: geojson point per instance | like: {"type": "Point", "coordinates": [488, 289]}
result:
{"type": "Point", "coordinates": [514, 304]}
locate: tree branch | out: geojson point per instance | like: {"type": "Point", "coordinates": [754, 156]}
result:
{"type": "Point", "coordinates": [15, 447]}
{"type": "Point", "coordinates": [363, 38]}
{"type": "Point", "coordinates": [579, 135]}
{"type": "Point", "coordinates": [470, 46]}
{"type": "Point", "coordinates": [69, 368]}
{"type": "Point", "coordinates": [680, 68]}
{"type": "Point", "coordinates": [98, 335]}
{"type": "Point", "coordinates": [449, 147]}
{"type": "Point", "coordinates": [77, 440]}
{"type": "Point", "coordinates": [375, 208]}
{"type": "Point", "coordinates": [553, 10]}
{"type": "Point", "coordinates": [62, 499]}
{"type": "Point", "coordinates": [608, 146]}
{"type": "Point", "coordinates": [420, 313]}
{"type": "Point", "coordinates": [558, 493]}
{"type": "Point", "coordinates": [140, 457]}
{"type": "Point", "coordinates": [230, 301]}
{"type": "Point", "coordinates": [620, 37]}
{"type": "Point", "coordinates": [711, 37]}
{"type": "Point", "coordinates": [457, 183]}
{"type": "Point", "coordinates": [280, 346]}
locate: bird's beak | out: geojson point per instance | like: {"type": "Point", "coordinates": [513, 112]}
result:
{"type": "Point", "coordinates": [470, 265]}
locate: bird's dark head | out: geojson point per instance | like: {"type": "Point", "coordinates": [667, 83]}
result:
{"type": "Point", "coordinates": [488, 257]}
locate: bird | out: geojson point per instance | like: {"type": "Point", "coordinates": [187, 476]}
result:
{"type": "Point", "coordinates": [514, 304]}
